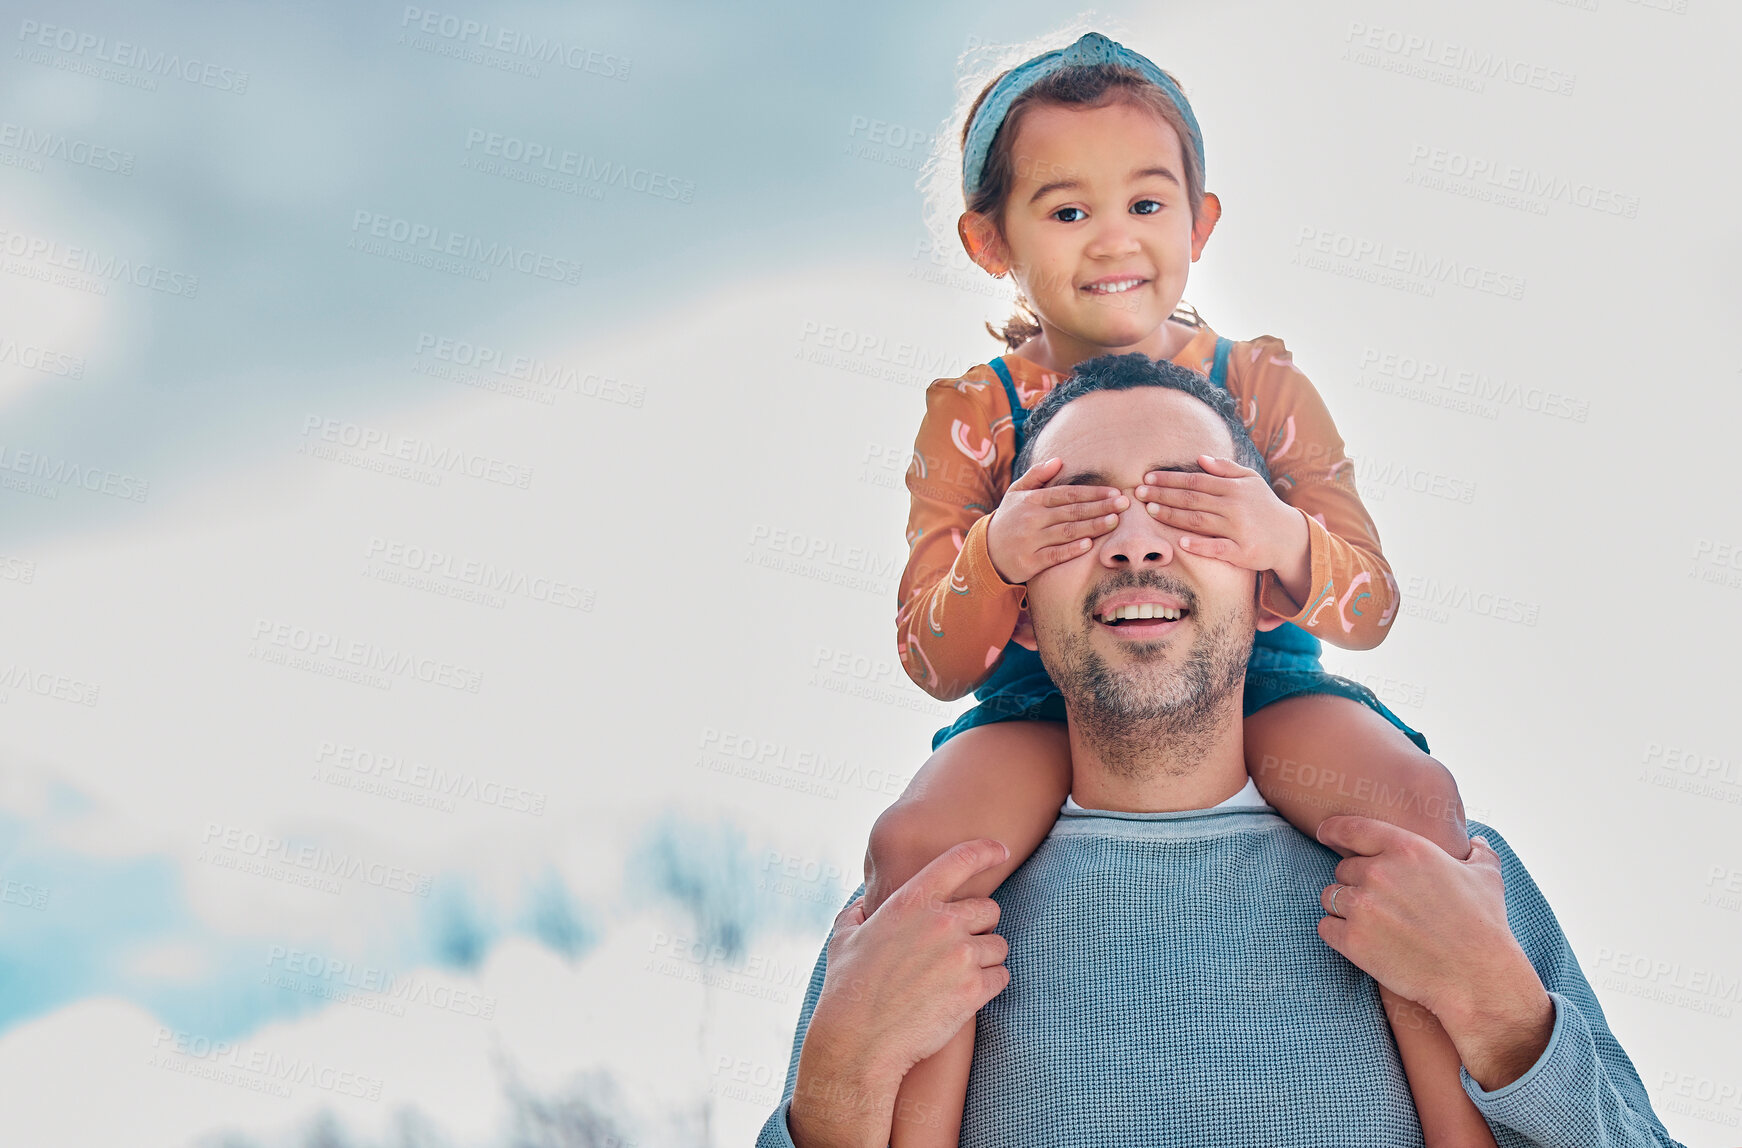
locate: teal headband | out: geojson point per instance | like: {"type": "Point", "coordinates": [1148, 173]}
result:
{"type": "Point", "coordinates": [1092, 48]}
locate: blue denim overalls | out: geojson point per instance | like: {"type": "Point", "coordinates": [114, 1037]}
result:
{"type": "Point", "coordinates": [1284, 662]}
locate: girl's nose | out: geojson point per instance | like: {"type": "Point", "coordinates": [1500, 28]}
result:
{"type": "Point", "coordinates": [1113, 237]}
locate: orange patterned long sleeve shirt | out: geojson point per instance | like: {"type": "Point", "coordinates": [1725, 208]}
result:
{"type": "Point", "coordinates": [956, 614]}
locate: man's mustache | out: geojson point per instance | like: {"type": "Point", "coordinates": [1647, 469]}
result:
{"type": "Point", "coordinates": [1148, 580]}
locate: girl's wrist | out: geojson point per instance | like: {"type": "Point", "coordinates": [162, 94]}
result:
{"type": "Point", "coordinates": [1294, 567]}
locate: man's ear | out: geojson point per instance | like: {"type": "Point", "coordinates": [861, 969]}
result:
{"type": "Point", "coordinates": [1024, 635]}
{"type": "Point", "coordinates": [1208, 213]}
{"type": "Point", "coordinates": [980, 239]}
{"type": "Point", "coordinates": [1266, 620]}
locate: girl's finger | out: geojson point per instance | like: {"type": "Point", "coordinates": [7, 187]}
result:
{"type": "Point", "coordinates": [1097, 508]}
{"type": "Point", "coordinates": [1038, 475]}
{"type": "Point", "coordinates": [1203, 547]}
{"type": "Point", "coordinates": [1198, 521]}
{"type": "Point", "coordinates": [1061, 533]}
{"type": "Point", "coordinates": [1159, 480]}
{"type": "Point", "coordinates": [1072, 495]}
{"type": "Point", "coordinates": [1180, 496]}
{"type": "Point", "coordinates": [1224, 466]}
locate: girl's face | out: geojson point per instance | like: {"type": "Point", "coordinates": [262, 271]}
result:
{"type": "Point", "coordinates": [1098, 228]}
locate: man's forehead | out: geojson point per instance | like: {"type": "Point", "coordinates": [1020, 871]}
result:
{"type": "Point", "coordinates": [1108, 436]}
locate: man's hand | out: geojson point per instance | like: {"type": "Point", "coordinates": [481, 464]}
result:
{"type": "Point", "coordinates": [1229, 512]}
{"type": "Point", "coordinates": [899, 985]}
{"type": "Point", "coordinates": [1433, 929]}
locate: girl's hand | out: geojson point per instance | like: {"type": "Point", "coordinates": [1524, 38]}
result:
{"type": "Point", "coordinates": [1034, 528]}
{"type": "Point", "coordinates": [1229, 512]}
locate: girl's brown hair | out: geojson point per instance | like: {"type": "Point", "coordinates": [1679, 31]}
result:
{"type": "Point", "coordinates": [1081, 86]}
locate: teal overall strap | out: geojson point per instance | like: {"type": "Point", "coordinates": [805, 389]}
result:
{"type": "Point", "coordinates": [1219, 369]}
{"type": "Point", "coordinates": [1018, 413]}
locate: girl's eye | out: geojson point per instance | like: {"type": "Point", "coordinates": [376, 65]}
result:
{"type": "Point", "coordinates": [1058, 215]}
{"type": "Point", "coordinates": [1146, 207]}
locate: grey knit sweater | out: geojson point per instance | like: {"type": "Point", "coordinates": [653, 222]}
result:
{"type": "Point", "coordinates": [1169, 987]}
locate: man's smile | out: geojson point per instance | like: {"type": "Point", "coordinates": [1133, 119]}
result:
{"type": "Point", "coordinates": [1144, 614]}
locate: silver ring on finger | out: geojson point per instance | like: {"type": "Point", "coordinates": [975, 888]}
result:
{"type": "Point", "coordinates": [1334, 893]}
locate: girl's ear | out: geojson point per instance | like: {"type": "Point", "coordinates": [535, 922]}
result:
{"type": "Point", "coordinates": [1208, 213]}
{"type": "Point", "coordinates": [980, 239]}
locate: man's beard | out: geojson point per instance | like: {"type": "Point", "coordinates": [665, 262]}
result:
{"type": "Point", "coordinates": [1149, 716]}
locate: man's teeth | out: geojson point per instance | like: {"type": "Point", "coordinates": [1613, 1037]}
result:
{"type": "Point", "coordinates": [1114, 288]}
{"type": "Point", "coordinates": [1147, 610]}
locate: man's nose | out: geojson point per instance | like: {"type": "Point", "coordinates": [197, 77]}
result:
{"type": "Point", "coordinates": [1138, 540]}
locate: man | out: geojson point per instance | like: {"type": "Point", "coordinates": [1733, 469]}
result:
{"type": "Point", "coordinates": [1184, 967]}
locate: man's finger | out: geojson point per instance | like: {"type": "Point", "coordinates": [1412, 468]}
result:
{"type": "Point", "coordinates": [990, 948]}
{"type": "Point", "coordinates": [992, 982]}
{"type": "Point", "coordinates": [1353, 871]}
{"type": "Point", "coordinates": [1482, 856]}
{"type": "Point", "coordinates": [977, 914]}
{"type": "Point", "coordinates": [853, 914]}
{"type": "Point", "coordinates": [1350, 834]}
{"type": "Point", "coordinates": [1334, 931]}
{"type": "Point", "coordinates": [1344, 901]}
{"type": "Point", "coordinates": [943, 878]}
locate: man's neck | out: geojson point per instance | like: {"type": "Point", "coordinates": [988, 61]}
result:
{"type": "Point", "coordinates": [1162, 776]}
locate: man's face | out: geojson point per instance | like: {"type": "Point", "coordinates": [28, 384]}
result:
{"type": "Point", "coordinates": [1126, 676]}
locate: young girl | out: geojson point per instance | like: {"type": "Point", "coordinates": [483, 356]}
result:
{"type": "Point", "coordinates": [1083, 175]}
